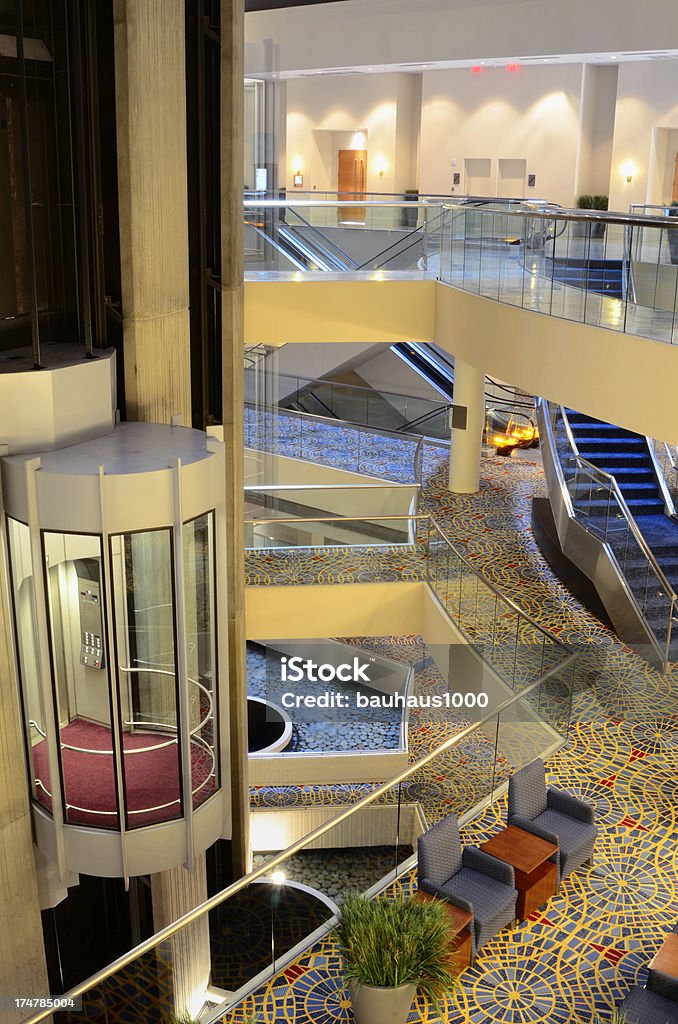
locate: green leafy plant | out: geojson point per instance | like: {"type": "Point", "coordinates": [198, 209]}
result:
{"type": "Point", "coordinates": [587, 202]}
{"type": "Point", "coordinates": [387, 943]}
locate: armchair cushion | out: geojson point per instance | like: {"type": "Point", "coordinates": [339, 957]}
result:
{"type": "Point", "coordinates": [575, 838]}
{"type": "Point", "coordinates": [493, 903]}
{"type": "Point", "coordinates": [537, 829]}
{"type": "Point", "coordinates": [560, 800]}
{"type": "Point", "coordinates": [442, 893]}
{"type": "Point", "coordinates": [527, 791]}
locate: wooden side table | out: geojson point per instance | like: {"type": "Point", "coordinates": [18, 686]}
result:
{"type": "Point", "coordinates": [536, 876]}
{"type": "Point", "coordinates": [666, 957]}
{"type": "Point", "coordinates": [460, 932]}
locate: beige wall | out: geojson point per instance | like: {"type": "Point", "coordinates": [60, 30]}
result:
{"type": "Point", "coordinates": [532, 114]}
{"type": "Point", "coordinates": [647, 99]}
{"type": "Point", "coordinates": [374, 112]}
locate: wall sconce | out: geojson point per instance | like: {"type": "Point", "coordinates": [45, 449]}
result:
{"type": "Point", "coordinates": [380, 165]}
{"type": "Point", "coordinates": [629, 169]}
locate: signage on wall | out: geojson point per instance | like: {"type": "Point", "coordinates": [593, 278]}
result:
{"type": "Point", "coordinates": [298, 180]}
{"type": "Point", "coordinates": [531, 180]}
{"type": "Point", "coordinates": [260, 179]}
{"type": "Point", "coordinates": [456, 178]}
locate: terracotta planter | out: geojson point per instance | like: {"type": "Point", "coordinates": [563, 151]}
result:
{"type": "Point", "coordinates": [381, 1005]}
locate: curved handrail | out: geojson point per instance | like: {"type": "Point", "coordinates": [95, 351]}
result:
{"type": "Point", "coordinates": [611, 482]}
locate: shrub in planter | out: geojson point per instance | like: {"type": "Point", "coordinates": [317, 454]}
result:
{"type": "Point", "coordinates": [589, 202]}
{"type": "Point", "coordinates": [390, 949]}
{"type": "Point", "coordinates": [410, 216]}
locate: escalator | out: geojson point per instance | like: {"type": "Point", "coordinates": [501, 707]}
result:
{"type": "Point", "coordinates": [609, 527]}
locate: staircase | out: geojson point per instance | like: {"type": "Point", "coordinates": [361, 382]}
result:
{"type": "Point", "coordinates": [602, 276]}
{"type": "Point", "coordinates": [626, 456]}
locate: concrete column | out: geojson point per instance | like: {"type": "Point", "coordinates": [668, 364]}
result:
{"type": "Point", "coordinates": [232, 105]}
{"type": "Point", "coordinates": [174, 893]}
{"type": "Point", "coordinates": [468, 420]}
{"type": "Point", "coordinates": [150, 90]}
{"type": "Point", "coordinates": [22, 955]}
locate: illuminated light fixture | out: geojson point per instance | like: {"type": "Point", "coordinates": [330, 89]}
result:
{"type": "Point", "coordinates": [613, 58]}
{"type": "Point", "coordinates": [513, 68]}
{"type": "Point", "coordinates": [278, 877]}
{"type": "Point", "coordinates": [628, 170]}
{"type": "Point", "coordinates": [380, 165]}
{"type": "Point", "coordinates": [476, 69]}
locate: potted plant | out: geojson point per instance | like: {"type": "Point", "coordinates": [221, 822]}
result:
{"type": "Point", "coordinates": [673, 234]}
{"type": "Point", "coordinates": [390, 949]}
{"type": "Point", "coordinates": [589, 202]}
{"type": "Point", "coordinates": [410, 217]}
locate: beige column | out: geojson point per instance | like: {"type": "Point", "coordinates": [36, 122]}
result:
{"type": "Point", "coordinates": [187, 953]}
{"type": "Point", "coordinates": [22, 954]}
{"type": "Point", "coordinates": [150, 88]}
{"type": "Point", "coordinates": [468, 419]}
{"type": "Point", "coordinates": [232, 106]}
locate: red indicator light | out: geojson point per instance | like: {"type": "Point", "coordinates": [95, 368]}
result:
{"type": "Point", "coordinates": [513, 68]}
{"type": "Point", "coordinates": [476, 69]}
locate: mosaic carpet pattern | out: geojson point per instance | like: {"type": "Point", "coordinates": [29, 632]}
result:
{"type": "Point", "coordinates": [580, 955]}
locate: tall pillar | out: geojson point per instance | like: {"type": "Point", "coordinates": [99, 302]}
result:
{"type": "Point", "coordinates": [22, 953]}
{"type": "Point", "coordinates": [150, 92]}
{"type": "Point", "coordinates": [232, 342]}
{"type": "Point", "coordinates": [152, 180]}
{"type": "Point", "coordinates": [468, 420]}
{"type": "Point", "coordinates": [174, 893]}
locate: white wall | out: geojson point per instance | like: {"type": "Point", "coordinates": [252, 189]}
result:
{"type": "Point", "coordinates": [647, 98]}
{"type": "Point", "coordinates": [532, 114]}
{"type": "Point", "coordinates": [325, 114]}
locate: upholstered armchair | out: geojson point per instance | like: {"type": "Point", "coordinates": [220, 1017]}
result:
{"type": "Point", "coordinates": [657, 1003]}
{"type": "Point", "coordinates": [552, 814]}
{"type": "Point", "coordinates": [469, 878]}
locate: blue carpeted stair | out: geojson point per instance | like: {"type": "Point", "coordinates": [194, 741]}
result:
{"type": "Point", "coordinates": [626, 456]}
{"type": "Point", "coordinates": [602, 276]}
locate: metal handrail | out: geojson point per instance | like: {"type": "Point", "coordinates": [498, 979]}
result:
{"type": "Point", "coordinates": [543, 213]}
{"type": "Point", "coordinates": [341, 519]}
{"type": "Point", "coordinates": [611, 482]}
{"type": "Point", "coordinates": [202, 909]}
{"type": "Point", "coordinates": [328, 487]}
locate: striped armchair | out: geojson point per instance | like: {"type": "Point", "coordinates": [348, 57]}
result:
{"type": "Point", "coordinates": [468, 878]}
{"type": "Point", "coordinates": [554, 815]}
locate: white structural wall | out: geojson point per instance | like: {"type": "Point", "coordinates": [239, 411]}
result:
{"type": "Point", "coordinates": [531, 114]}
{"type": "Point", "coordinates": [647, 108]}
{"type": "Point", "coordinates": [379, 113]}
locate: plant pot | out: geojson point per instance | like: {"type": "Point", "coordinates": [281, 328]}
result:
{"type": "Point", "coordinates": [373, 1005]}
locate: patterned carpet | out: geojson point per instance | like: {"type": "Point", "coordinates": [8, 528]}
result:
{"type": "Point", "coordinates": [582, 953]}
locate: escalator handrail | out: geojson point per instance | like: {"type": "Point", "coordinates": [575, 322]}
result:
{"type": "Point", "coordinates": [418, 231]}
{"type": "Point", "coordinates": [611, 482]}
{"type": "Point", "coordinates": [286, 255]}
{"type": "Point", "coordinates": [349, 262]}
{"type": "Point", "coordinates": [294, 241]}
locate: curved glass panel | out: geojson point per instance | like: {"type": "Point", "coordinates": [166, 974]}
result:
{"type": "Point", "coordinates": [143, 599]}
{"type": "Point", "coordinates": [199, 568]}
{"type": "Point", "coordinates": [35, 723]}
{"type": "Point", "coordinates": [80, 678]}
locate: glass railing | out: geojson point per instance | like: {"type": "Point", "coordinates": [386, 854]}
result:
{"type": "Point", "coordinates": [606, 269]}
{"type": "Point", "coordinates": [214, 958]}
{"type": "Point", "coordinates": [597, 503]}
{"type": "Point", "coordinates": [667, 462]}
{"type": "Point", "coordinates": [375, 548]}
{"type": "Point", "coordinates": [369, 407]}
{"type": "Point", "coordinates": [371, 451]}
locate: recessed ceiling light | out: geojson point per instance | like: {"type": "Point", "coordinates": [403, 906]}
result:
{"type": "Point", "coordinates": [613, 58]}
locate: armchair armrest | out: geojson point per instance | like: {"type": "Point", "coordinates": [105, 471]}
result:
{"type": "Point", "coordinates": [663, 984]}
{"type": "Point", "coordinates": [564, 802]}
{"type": "Point", "coordinates": [478, 860]}
{"type": "Point", "coordinates": [536, 830]}
{"type": "Point", "coordinates": [437, 890]}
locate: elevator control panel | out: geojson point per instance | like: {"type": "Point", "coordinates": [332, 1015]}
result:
{"type": "Point", "coordinates": [91, 624]}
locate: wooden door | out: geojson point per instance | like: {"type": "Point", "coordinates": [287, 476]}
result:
{"type": "Point", "coordinates": [352, 176]}
{"type": "Point", "coordinates": [674, 194]}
